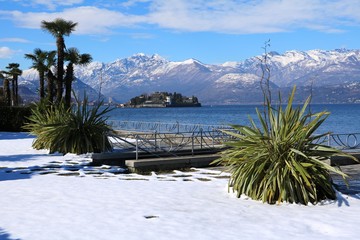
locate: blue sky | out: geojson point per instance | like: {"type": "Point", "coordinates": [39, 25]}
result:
{"type": "Point", "coordinates": [211, 31]}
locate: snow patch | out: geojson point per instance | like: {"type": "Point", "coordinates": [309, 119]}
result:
{"type": "Point", "coordinates": [83, 202]}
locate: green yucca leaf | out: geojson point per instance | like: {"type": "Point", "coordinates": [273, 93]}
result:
{"type": "Point", "coordinates": [78, 130]}
{"type": "Point", "coordinates": [306, 165]}
{"type": "Point", "coordinates": [305, 106]}
{"type": "Point", "coordinates": [282, 160]}
{"type": "Point", "coordinates": [234, 134]}
{"type": "Point", "coordinates": [262, 122]}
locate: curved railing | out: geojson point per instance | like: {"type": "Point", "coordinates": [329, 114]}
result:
{"type": "Point", "coordinates": [170, 141]}
{"type": "Point", "coordinates": [162, 127]}
{"type": "Point", "coordinates": [172, 137]}
{"type": "Point", "coordinates": [344, 141]}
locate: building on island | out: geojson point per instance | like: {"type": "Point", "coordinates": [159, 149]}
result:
{"type": "Point", "coordinates": [163, 99]}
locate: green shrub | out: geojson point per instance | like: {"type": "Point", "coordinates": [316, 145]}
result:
{"type": "Point", "coordinates": [12, 119]}
{"type": "Point", "coordinates": [282, 160]}
{"type": "Point", "coordinates": [82, 129]}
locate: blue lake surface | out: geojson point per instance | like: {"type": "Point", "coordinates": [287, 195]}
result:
{"type": "Point", "coordinates": [344, 118]}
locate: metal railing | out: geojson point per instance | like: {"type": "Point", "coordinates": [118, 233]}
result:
{"type": "Point", "coordinates": [155, 143]}
{"type": "Point", "coordinates": [343, 141]}
{"type": "Point", "coordinates": [154, 138]}
{"type": "Point", "coordinates": [175, 127]}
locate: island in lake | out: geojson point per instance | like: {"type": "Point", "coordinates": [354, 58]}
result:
{"type": "Point", "coordinates": [163, 99]}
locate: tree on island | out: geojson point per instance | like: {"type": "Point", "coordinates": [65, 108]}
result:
{"type": "Point", "coordinates": [161, 98]}
{"type": "Point", "coordinates": [177, 97]}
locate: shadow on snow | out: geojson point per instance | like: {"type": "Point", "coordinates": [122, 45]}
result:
{"type": "Point", "coordinates": [20, 157]}
{"type": "Point", "coordinates": [15, 135]}
{"type": "Point", "coordinates": [5, 236]}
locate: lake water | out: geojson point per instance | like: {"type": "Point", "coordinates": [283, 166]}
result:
{"type": "Point", "coordinates": [344, 118]}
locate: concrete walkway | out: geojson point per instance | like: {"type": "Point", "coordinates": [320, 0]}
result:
{"type": "Point", "coordinates": [169, 163]}
{"type": "Point", "coordinates": [353, 171]}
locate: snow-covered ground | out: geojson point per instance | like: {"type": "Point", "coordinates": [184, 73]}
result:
{"type": "Point", "coordinates": [61, 197]}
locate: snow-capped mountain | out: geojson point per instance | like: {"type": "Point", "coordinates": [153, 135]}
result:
{"type": "Point", "coordinates": [324, 73]}
{"type": "Point", "coordinates": [29, 85]}
{"type": "Point", "coordinates": [315, 67]}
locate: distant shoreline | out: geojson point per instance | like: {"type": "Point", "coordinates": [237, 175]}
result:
{"type": "Point", "coordinates": [160, 105]}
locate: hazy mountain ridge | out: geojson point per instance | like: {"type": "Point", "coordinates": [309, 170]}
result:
{"type": "Point", "coordinates": [328, 72]}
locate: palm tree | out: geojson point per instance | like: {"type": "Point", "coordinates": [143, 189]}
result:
{"type": "Point", "coordinates": [59, 28]}
{"type": "Point", "coordinates": [6, 87]}
{"type": "Point", "coordinates": [74, 58]}
{"type": "Point", "coordinates": [38, 58]}
{"type": "Point", "coordinates": [2, 90]}
{"type": "Point", "coordinates": [14, 72]}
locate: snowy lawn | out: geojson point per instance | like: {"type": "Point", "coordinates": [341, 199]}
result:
{"type": "Point", "coordinates": [61, 197]}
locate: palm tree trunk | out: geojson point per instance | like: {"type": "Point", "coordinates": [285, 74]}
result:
{"type": "Point", "coordinates": [42, 83]}
{"type": "Point", "coordinates": [7, 92]}
{"type": "Point", "coordinates": [16, 90]}
{"type": "Point", "coordinates": [13, 91]}
{"type": "Point", "coordinates": [50, 86]}
{"type": "Point", "coordinates": [60, 68]}
{"type": "Point", "coordinates": [68, 82]}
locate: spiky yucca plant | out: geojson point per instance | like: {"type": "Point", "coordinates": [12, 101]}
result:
{"type": "Point", "coordinates": [282, 160]}
{"type": "Point", "coordinates": [79, 130]}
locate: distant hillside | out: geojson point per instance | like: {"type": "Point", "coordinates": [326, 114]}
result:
{"type": "Point", "coordinates": [332, 77]}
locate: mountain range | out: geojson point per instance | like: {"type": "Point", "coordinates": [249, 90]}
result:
{"type": "Point", "coordinates": [329, 76]}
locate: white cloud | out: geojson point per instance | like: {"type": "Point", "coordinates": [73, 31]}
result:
{"type": "Point", "coordinates": [131, 3]}
{"type": "Point", "coordinates": [141, 35]}
{"type": "Point", "coordinates": [91, 20]}
{"type": "Point", "coordinates": [50, 4]}
{"type": "Point", "coordinates": [230, 16]}
{"type": "Point", "coordinates": [16, 40]}
{"type": "Point", "coordinates": [54, 4]}
{"type": "Point", "coordinates": [60, 3]}
{"type": "Point", "coordinates": [6, 52]}
{"type": "Point", "coordinates": [94, 20]}
{"type": "Point", "coordinates": [254, 16]}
